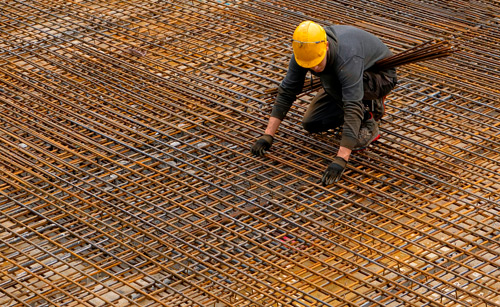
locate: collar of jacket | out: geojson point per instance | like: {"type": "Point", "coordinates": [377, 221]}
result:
{"type": "Point", "coordinates": [333, 46]}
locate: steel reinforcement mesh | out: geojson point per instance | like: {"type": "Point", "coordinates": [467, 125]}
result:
{"type": "Point", "coordinates": [126, 177]}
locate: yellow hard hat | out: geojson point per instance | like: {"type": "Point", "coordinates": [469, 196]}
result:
{"type": "Point", "coordinates": [309, 44]}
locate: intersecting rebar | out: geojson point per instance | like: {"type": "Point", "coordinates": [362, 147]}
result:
{"type": "Point", "coordinates": [126, 177]}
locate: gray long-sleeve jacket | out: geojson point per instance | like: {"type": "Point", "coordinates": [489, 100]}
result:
{"type": "Point", "coordinates": [351, 52]}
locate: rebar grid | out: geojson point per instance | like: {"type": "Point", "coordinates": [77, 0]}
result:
{"type": "Point", "coordinates": [126, 178]}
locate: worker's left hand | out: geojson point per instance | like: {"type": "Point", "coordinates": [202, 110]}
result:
{"type": "Point", "coordinates": [334, 171]}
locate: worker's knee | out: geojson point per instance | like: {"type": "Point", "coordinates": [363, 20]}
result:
{"type": "Point", "coordinates": [311, 126]}
{"type": "Point", "coordinates": [318, 126]}
{"type": "Point", "coordinates": [320, 122]}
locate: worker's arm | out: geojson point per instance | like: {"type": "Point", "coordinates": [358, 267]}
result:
{"type": "Point", "coordinates": [344, 153]}
{"type": "Point", "coordinates": [351, 79]}
{"type": "Point", "coordinates": [272, 126]}
{"type": "Point", "coordinates": [352, 122]}
{"type": "Point", "coordinates": [288, 90]}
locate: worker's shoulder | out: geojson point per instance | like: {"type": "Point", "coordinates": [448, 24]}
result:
{"type": "Point", "coordinates": [348, 34]}
{"type": "Point", "coordinates": [342, 29]}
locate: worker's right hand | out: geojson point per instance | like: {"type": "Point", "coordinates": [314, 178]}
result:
{"type": "Point", "coordinates": [262, 144]}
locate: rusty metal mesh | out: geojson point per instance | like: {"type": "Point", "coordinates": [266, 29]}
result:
{"type": "Point", "coordinates": [126, 178]}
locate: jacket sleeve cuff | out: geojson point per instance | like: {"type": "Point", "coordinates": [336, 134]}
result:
{"type": "Point", "coordinates": [348, 142]}
{"type": "Point", "coordinates": [280, 114]}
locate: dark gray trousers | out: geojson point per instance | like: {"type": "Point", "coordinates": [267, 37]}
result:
{"type": "Point", "coordinates": [326, 112]}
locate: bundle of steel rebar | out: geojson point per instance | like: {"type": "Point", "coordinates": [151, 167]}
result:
{"type": "Point", "coordinates": [426, 51]}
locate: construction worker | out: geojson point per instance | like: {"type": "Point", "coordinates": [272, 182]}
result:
{"type": "Point", "coordinates": [352, 93]}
